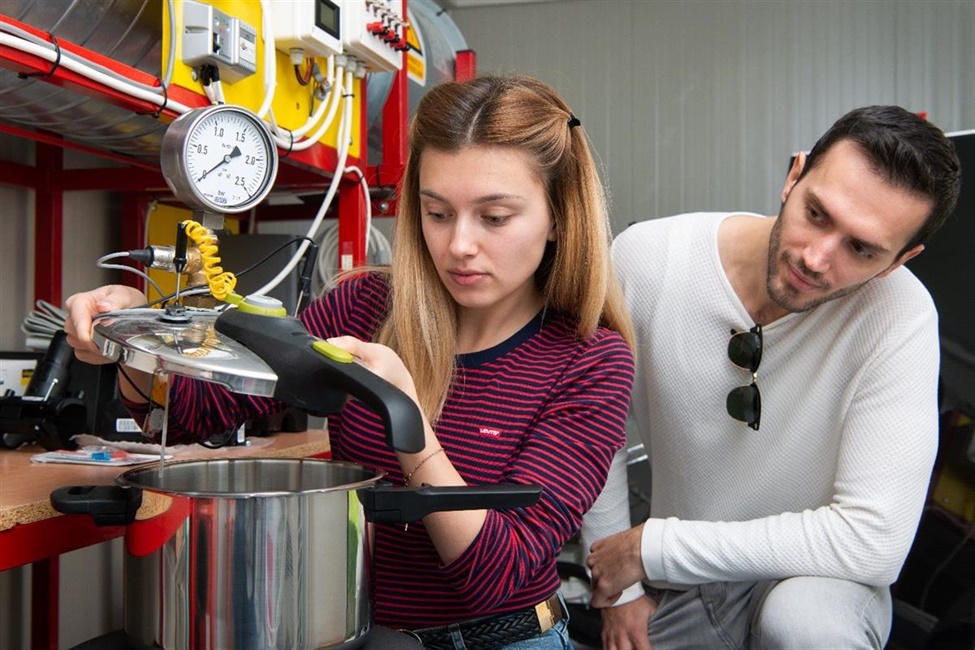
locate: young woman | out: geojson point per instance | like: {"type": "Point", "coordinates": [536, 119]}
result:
{"type": "Point", "coordinates": [501, 317]}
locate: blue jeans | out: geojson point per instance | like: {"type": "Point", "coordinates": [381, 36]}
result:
{"type": "Point", "coordinates": [555, 639]}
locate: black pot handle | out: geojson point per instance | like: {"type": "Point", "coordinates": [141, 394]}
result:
{"type": "Point", "coordinates": [313, 382]}
{"type": "Point", "coordinates": [108, 505]}
{"type": "Point", "coordinates": [386, 504]}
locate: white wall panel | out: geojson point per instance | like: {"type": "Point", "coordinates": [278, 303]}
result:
{"type": "Point", "coordinates": [697, 105]}
{"type": "Point", "coordinates": [91, 228]}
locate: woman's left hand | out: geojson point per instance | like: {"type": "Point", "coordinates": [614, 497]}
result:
{"type": "Point", "coordinates": [379, 359]}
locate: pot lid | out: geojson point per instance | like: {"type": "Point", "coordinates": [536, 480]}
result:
{"type": "Point", "coordinates": [183, 343]}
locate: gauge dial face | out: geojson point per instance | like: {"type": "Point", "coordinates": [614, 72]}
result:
{"type": "Point", "coordinates": [225, 159]}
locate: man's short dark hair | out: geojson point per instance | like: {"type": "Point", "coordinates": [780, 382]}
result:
{"type": "Point", "coordinates": [907, 151]}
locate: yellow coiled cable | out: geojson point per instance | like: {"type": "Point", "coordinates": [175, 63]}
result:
{"type": "Point", "coordinates": [221, 282]}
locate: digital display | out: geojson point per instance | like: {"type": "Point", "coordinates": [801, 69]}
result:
{"type": "Point", "coordinates": [327, 17]}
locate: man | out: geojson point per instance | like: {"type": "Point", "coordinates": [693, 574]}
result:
{"type": "Point", "coordinates": [786, 394]}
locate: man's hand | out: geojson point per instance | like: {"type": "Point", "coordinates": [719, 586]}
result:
{"type": "Point", "coordinates": [625, 627]}
{"type": "Point", "coordinates": [615, 563]}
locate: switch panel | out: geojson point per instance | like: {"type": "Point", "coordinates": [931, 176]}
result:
{"type": "Point", "coordinates": [211, 36]}
{"type": "Point", "coordinates": [374, 31]}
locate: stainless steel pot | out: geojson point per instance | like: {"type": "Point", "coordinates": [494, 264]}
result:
{"type": "Point", "coordinates": [251, 553]}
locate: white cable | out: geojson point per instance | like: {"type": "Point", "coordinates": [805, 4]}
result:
{"type": "Point", "coordinates": [171, 54]}
{"type": "Point", "coordinates": [270, 63]}
{"type": "Point", "coordinates": [322, 105]}
{"type": "Point", "coordinates": [312, 119]}
{"type": "Point", "coordinates": [53, 48]}
{"type": "Point", "coordinates": [365, 195]}
{"type": "Point", "coordinates": [85, 70]}
{"type": "Point", "coordinates": [344, 144]}
{"type": "Point", "coordinates": [328, 254]}
{"type": "Point", "coordinates": [218, 91]}
{"type": "Point", "coordinates": [103, 264]}
{"type": "Point", "coordinates": [328, 265]}
{"type": "Point", "coordinates": [210, 91]}
{"type": "Point", "coordinates": [338, 89]}
{"type": "Point", "coordinates": [145, 221]}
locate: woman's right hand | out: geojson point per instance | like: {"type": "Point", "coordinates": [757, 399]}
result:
{"type": "Point", "coordinates": [83, 307]}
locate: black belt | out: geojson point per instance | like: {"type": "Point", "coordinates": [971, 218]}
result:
{"type": "Point", "coordinates": [495, 631]}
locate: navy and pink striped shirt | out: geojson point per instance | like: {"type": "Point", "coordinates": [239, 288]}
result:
{"type": "Point", "coordinates": [542, 408]}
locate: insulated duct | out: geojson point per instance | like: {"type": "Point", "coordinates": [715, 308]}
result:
{"type": "Point", "coordinates": [130, 32]}
{"type": "Point", "coordinates": [127, 31]}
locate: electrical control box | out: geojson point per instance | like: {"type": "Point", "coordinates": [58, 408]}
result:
{"type": "Point", "coordinates": [213, 37]}
{"type": "Point", "coordinates": [374, 32]}
{"type": "Point", "coordinates": [313, 26]}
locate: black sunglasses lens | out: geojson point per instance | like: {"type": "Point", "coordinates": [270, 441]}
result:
{"type": "Point", "coordinates": [745, 350]}
{"type": "Point", "coordinates": [745, 404]}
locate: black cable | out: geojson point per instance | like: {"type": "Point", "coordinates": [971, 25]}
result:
{"type": "Point", "coordinates": [228, 435]}
{"type": "Point", "coordinates": [172, 295]}
{"type": "Point", "coordinates": [291, 145]}
{"type": "Point", "coordinates": [304, 277]}
{"type": "Point", "coordinates": [54, 66]}
{"type": "Point", "coordinates": [165, 102]}
{"type": "Point", "coordinates": [121, 370]}
{"type": "Point", "coordinates": [250, 268]}
{"type": "Point", "coordinates": [277, 250]}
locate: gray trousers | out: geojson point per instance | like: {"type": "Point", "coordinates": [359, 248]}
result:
{"type": "Point", "coordinates": [801, 613]}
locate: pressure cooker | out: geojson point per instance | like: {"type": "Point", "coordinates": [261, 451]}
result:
{"type": "Point", "coordinates": [259, 552]}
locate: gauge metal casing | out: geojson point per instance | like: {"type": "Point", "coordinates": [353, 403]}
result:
{"type": "Point", "coordinates": [219, 159]}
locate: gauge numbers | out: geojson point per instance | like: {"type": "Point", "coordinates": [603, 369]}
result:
{"type": "Point", "coordinates": [220, 158]}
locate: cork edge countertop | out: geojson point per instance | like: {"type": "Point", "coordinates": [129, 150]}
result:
{"type": "Point", "coordinates": [25, 487]}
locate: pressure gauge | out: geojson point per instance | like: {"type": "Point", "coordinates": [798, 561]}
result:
{"type": "Point", "coordinates": [219, 158]}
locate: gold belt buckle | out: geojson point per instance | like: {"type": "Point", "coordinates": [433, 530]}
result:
{"type": "Point", "coordinates": [545, 615]}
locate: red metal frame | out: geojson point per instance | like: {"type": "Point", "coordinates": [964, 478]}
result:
{"type": "Point", "coordinates": [48, 224]}
{"type": "Point", "coordinates": [45, 577]}
{"type": "Point", "coordinates": [40, 544]}
{"type": "Point", "coordinates": [465, 66]}
{"type": "Point", "coordinates": [49, 538]}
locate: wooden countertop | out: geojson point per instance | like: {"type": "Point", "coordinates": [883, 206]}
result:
{"type": "Point", "coordinates": [25, 487]}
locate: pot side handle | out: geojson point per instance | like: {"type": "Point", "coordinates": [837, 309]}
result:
{"type": "Point", "coordinates": [108, 505]}
{"type": "Point", "coordinates": [386, 504]}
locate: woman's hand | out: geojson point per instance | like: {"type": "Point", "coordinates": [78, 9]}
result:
{"type": "Point", "coordinates": [451, 532]}
{"type": "Point", "coordinates": [83, 307]}
{"type": "Point", "coordinates": [380, 360]}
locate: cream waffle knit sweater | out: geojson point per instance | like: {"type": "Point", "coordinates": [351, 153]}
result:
{"type": "Point", "coordinates": [834, 481]}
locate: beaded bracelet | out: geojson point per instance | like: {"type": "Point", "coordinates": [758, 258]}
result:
{"type": "Point", "coordinates": [406, 479]}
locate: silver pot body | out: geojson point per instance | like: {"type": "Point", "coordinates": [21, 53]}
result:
{"type": "Point", "coordinates": [248, 553]}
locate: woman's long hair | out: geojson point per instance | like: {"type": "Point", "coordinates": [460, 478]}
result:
{"type": "Point", "coordinates": [576, 274]}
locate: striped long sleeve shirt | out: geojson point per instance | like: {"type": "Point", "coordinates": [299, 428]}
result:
{"type": "Point", "coordinates": [544, 408]}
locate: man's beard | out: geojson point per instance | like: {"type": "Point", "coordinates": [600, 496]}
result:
{"type": "Point", "coordinates": [785, 297]}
